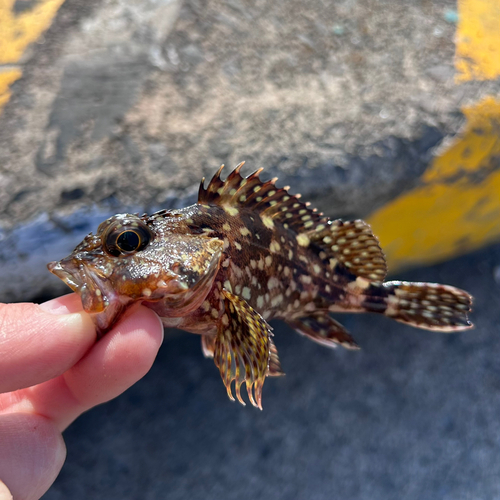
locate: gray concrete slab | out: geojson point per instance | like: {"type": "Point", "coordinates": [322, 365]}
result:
{"type": "Point", "coordinates": [414, 415]}
{"type": "Point", "coordinates": [127, 104]}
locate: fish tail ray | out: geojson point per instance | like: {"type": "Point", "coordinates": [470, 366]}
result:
{"type": "Point", "coordinates": [430, 306]}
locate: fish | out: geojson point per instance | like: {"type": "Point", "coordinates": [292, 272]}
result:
{"type": "Point", "coordinates": [245, 253]}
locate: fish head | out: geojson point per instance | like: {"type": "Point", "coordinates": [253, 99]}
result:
{"type": "Point", "coordinates": [134, 259]}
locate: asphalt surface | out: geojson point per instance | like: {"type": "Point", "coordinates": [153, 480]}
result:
{"type": "Point", "coordinates": [414, 415]}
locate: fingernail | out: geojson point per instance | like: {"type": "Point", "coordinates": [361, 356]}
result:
{"type": "Point", "coordinates": [69, 306]}
{"type": "Point", "coordinates": [54, 307]}
{"type": "Point", "coordinates": [5, 494]}
{"type": "Point", "coordinates": [63, 305]}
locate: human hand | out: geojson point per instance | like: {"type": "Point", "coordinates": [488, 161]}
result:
{"type": "Point", "coordinates": [51, 371]}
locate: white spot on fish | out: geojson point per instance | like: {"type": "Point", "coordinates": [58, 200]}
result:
{"type": "Point", "coordinates": [273, 283]}
{"type": "Point", "coordinates": [303, 240]}
{"type": "Point", "coordinates": [231, 210]}
{"type": "Point", "coordinates": [275, 301]}
{"type": "Point", "coordinates": [268, 222]}
{"type": "Point", "coordinates": [362, 283]}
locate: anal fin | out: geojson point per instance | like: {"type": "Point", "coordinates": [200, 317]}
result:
{"type": "Point", "coordinates": [242, 348]}
{"type": "Point", "coordinates": [324, 330]}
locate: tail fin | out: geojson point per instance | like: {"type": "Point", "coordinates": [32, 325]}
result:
{"type": "Point", "coordinates": [428, 305]}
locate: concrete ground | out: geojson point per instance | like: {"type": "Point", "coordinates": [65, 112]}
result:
{"type": "Point", "coordinates": [125, 104]}
{"type": "Point", "coordinates": [413, 415]}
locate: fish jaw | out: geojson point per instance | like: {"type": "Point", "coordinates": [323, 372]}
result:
{"type": "Point", "coordinates": [97, 295]}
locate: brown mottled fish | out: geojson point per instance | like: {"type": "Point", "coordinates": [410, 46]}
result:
{"type": "Point", "coordinates": [245, 253]}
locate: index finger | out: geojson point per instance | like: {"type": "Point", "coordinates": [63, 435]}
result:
{"type": "Point", "coordinates": [40, 342]}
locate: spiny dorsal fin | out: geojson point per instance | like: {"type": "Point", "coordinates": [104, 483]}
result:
{"type": "Point", "coordinates": [353, 244]}
{"type": "Point", "coordinates": [263, 198]}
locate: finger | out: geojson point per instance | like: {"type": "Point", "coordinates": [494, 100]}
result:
{"type": "Point", "coordinates": [5, 494]}
{"type": "Point", "coordinates": [32, 455]}
{"type": "Point", "coordinates": [38, 343]}
{"type": "Point", "coordinates": [117, 361]}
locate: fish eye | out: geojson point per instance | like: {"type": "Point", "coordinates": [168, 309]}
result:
{"type": "Point", "coordinates": [123, 239]}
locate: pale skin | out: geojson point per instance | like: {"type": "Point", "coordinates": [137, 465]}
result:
{"type": "Point", "coordinates": [51, 371]}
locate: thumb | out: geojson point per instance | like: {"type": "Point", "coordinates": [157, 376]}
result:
{"type": "Point", "coordinates": [38, 343]}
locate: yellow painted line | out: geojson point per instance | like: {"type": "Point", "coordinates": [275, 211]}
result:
{"type": "Point", "coordinates": [7, 78]}
{"type": "Point", "coordinates": [17, 31]}
{"type": "Point", "coordinates": [478, 40]}
{"type": "Point", "coordinates": [457, 208]}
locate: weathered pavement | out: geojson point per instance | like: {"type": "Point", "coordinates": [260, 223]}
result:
{"type": "Point", "coordinates": [412, 415]}
{"type": "Point", "coordinates": [125, 105]}
{"type": "Point", "coordinates": [117, 105]}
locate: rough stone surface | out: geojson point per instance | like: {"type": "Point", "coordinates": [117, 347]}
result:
{"type": "Point", "coordinates": [413, 415]}
{"type": "Point", "coordinates": [128, 103]}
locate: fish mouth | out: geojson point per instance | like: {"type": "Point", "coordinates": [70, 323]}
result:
{"type": "Point", "coordinates": [97, 296]}
{"type": "Point", "coordinates": [93, 291]}
{"type": "Point", "coordinates": [69, 272]}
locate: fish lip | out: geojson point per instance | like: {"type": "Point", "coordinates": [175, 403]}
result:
{"type": "Point", "coordinates": [84, 282]}
{"type": "Point", "coordinates": [69, 272]}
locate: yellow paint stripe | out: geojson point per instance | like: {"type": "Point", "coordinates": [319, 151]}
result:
{"type": "Point", "coordinates": [457, 209]}
{"type": "Point", "coordinates": [480, 141]}
{"type": "Point", "coordinates": [17, 31]}
{"type": "Point", "coordinates": [478, 40]}
{"type": "Point", "coordinates": [7, 78]}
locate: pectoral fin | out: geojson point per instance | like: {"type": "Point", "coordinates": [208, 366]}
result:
{"type": "Point", "coordinates": [242, 348]}
{"type": "Point", "coordinates": [208, 345]}
{"type": "Point", "coordinates": [274, 368]}
{"type": "Point", "coordinates": [324, 330]}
